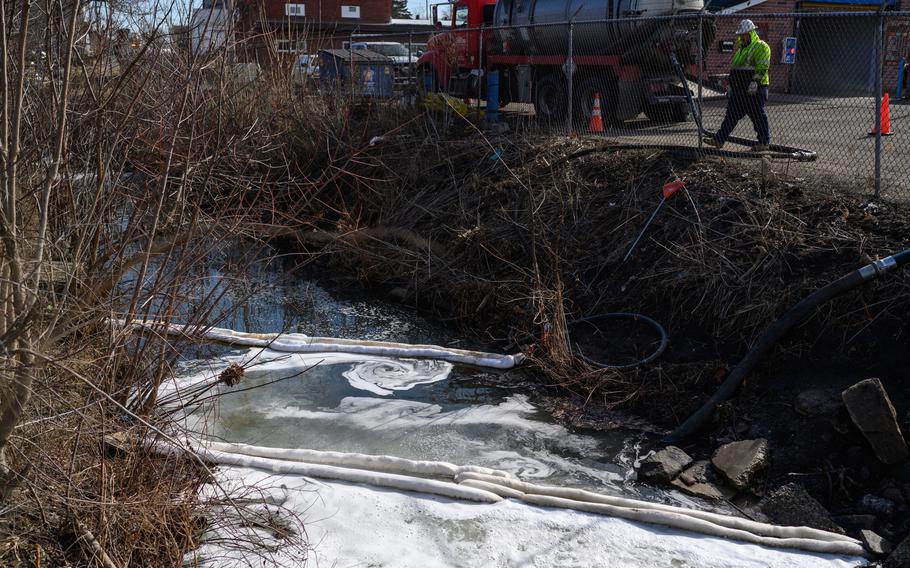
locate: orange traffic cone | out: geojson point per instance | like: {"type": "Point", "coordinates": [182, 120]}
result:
{"type": "Point", "coordinates": [886, 117]}
{"type": "Point", "coordinates": [597, 121]}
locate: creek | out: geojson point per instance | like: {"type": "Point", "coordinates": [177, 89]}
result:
{"type": "Point", "coordinates": [425, 410]}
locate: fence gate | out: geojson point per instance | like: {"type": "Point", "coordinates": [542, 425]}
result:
{"type": "Point", "coordinates": [836, 56]}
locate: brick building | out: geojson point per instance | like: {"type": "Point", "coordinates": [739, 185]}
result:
{"type": "Point", "coordinates": [835, 54]}
{"type": "Point", "coordinates": [287, 28]}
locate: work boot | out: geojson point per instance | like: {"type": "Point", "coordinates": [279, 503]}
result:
{"type": "Point", "coordinates": [710, 141]}
{"type": "Point", "coordinates": [760, 148]}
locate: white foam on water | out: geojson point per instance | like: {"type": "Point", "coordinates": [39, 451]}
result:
{"type": "Point", "coordinates": [386, 376]}
{"type": "Point", "coordinates": [375, 413]}
{"type": "Point", "coordinates": [502, 436]}
{"type": "Point", "coordinates": [356, 526]}
{"type": "Point", "coordinates": [378, 375]}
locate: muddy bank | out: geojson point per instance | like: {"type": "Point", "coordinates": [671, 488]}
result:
{"type": "Point", "coordinates": [514, 239]}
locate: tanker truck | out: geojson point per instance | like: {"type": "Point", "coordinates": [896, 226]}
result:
{"type": "Point", "coordinates": [619, 50]}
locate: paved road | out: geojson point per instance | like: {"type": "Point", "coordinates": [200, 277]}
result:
{"type": "Point", "coordinates": [836, 128]}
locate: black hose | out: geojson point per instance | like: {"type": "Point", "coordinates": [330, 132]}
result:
{"type": "Point", "coordinates": [693, 151]}
{"type": "Point", "coordinates": [778, 329]}
{"type": "Point", "coordinates": [664, 340]}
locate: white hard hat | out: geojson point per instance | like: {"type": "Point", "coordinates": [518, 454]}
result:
{"type": "Point", "coordinates": [745, 27]}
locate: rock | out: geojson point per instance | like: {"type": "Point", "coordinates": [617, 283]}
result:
{"type": "Point", "coordinates": [700, 481]}
{"type": "Point", "coordinates": [874, 543]}
{"type": "Point", "coordinates": [818, 402]}
{"type": "Point", "coordinates": [740, 461]}
{"type": "Point", "coordinates": [874, 415]}
{"type": "Point", "coordinates": [855, 523]}
{"type": "Point", "coordinates": [791, 505]}
{"type": "Point", "coordinates": [900, 558]}
{"type": "Point", "coordinates": [664, 465]}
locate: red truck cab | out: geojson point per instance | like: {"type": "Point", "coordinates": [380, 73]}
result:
{"type": "Point", "coordinates": [455, 51]}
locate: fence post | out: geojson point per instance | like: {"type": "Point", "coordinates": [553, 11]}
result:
{"type": "Point", "coordinates": [701, 79]}
{"type": "Point", "coordinates": [351, 70]}
{"type": "Point", "coordinates": [901, 63]}
{"type": "Point", "coordinates": [570, 75]}
{"type": "Point", "coordinates": [480, 76]}
{"type": "Point", "coordinates": [411, 79]}
{"type": "Point", "coordinates": [879, 33]}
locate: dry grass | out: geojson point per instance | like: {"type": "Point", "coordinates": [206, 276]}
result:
{"type": "Point", "coordinates": [90, 488]}
{"type": "Point", "coordinates": [71, 480]}
{"type": "Point", "coordinates": [160, 166]}
{"type": "Point", "coordinates": [518, 235]}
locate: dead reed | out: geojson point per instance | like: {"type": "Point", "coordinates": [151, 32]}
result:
{"type": "Point", "coordinates": [518, 235]}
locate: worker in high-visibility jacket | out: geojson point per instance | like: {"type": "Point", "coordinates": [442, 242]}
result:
{"type": "Point", "coordinates": [748, 88]}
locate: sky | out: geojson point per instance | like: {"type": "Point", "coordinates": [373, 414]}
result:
{"type": "Point", "coordinates": [420, 7]}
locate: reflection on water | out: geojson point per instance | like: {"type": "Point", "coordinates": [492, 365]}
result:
{"type": "Point", "coordinates": [268, 298]}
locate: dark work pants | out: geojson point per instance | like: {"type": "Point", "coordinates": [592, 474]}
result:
{"type": "Point", "coordinates": [743, 104]}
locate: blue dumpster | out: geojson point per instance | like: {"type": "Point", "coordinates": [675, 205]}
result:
{"type": "Point", "coordinates": [373, 74]}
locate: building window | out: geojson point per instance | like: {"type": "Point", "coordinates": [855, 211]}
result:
{"type": "Point", "coordinates": [350, 11]}
{"type": "Point", "coordinates": [290, 46]}
{"type": "Point", "coordinates": [294, 10]}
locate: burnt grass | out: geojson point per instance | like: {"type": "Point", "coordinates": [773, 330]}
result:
{"type": "Point", "coordinates": [513, 238]}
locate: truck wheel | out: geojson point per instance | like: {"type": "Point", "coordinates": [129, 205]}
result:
{"type": "Point", "coordinates": [674, 112]}
{"type": "Point", "coordinates": [583, 103]}
{"type": "Point", "coordinates": [550, 99]}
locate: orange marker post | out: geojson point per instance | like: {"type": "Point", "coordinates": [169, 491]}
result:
{"type": "Point", "coordinates": [597, 121]}
{"type": "Point", "coordinates": [886, 117]}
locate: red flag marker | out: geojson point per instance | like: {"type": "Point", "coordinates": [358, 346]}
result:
{"type": "Point", "coordinates": [667, 191]}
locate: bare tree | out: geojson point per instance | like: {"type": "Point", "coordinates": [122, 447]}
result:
{"type": "Point", "coordinates": [25, 214]}
{"type": "Point", "coordinates": [127, 165]}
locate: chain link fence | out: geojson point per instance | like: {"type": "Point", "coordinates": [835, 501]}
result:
{"type": "Point", "coordinates": [836, 103]}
